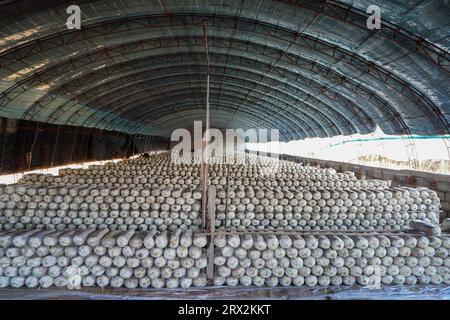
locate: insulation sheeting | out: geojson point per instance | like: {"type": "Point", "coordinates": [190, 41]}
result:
{"type": "Point", "coordinates": [27, 145]}
{"type": "Point", "coordinates": [135, 63]}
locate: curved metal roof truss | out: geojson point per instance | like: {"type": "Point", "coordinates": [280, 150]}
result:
{"type": "Point", "coordinates": [307, 68]}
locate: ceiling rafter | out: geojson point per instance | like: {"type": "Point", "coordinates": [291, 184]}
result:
{"type": "Point", "coordinates": [314, 74]}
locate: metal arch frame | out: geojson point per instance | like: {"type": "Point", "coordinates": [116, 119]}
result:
{"type": "Point", "coordinates": [265, 105]}
{"type": "Point", "coordinates": [370, 67]}
{"type": "Point", "coordinates": [181, 93]}
{"type": "Point", "coordinates": [323, 115]}
{"type": "Point", "coordinates": [290, 112]}
{"type": "Point", "coordinates": [355, 17]}
{"type": "Point", "coordinates": [133, 76]}
{"type": "Point", "coordinates": [302, 37]}
{"type": "Point", "coordinates": [333, 9]}
{"type": "Point", "coordinates": [127, 93]}
{"type": "Point", "coordinates": [192, 111]}
{"type": "Point", "coordinates": [197, 109]}
{"type": "Point", "coordinates": [140, 81]}
{"type": "Point", "coordinates": [140, 126]}
{"type": "Point", "coordinates": [245, 123]}
{"type": "Point", "coordinates": [228, 102]}
{"type": "Point", "coordinates": [335, 48]}
{"type": "Point", "coordinates": [366, 116]}
{"type": "Point", "coordinates": [263, 122]}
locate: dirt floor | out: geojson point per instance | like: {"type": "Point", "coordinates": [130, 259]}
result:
{"type": "Point", "coordinates": [279, 293]}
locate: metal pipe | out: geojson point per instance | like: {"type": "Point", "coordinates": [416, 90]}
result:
{"type": "Point", "coordinates": [204, 168]}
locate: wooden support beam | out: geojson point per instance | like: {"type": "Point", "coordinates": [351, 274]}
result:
{"type": "Point", "coordinates": [205, 137]}
{"type": "Point", "coordinates": [211, 222]}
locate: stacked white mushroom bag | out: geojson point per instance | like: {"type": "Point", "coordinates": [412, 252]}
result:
{"type": "Point", "coordinates": [252, 193]}
{"type": "Point", "coordinates": [324, 260]}
{"type": "Point", "coordinates": [102, 258]}
{"type": "Point", "coordinates": [136, 224]}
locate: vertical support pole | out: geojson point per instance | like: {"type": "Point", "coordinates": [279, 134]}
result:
{"type": "Point", "coordinates": [209, 192]}
{"type": "Point", "coordinates": [74, 143]}
{"type": "Point", "coordinates": [55, 147]}
{"type": "Point", "coordinates": [210, 258]}
{"type": "Point", "coordinates": [211, 208]}
{"type": "Point", "coordinates": [205, 140]}
{"type": "Point", "coordinates": [211, 229]}
{"type": "Point", "coordinates": [205, 166]}
{"type": "Point", "coordinates": [227, 198]}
